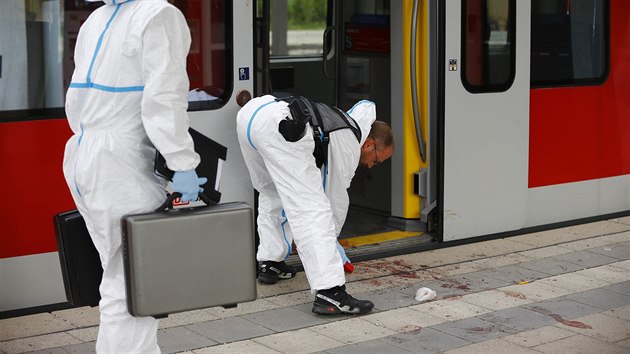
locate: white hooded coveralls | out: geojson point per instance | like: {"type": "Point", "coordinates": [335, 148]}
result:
{"type": "Point", "coordinates": [299, 202]}
{"type": "Point", "coordinates": [127, 98]}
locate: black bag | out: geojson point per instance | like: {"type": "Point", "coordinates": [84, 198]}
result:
{"type": "Point", "coordinates": [293, 129]}
{"type": "Point", "coordinates": [80, 263]}
{"type": "Point", "coordinates": [212, 155]}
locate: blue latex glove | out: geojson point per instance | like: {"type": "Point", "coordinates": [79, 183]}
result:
{"type": "Point", "coordinates": [347, 265]}
{"type": "Point", "coordinates": [187, 183]}
{"type": "Point", "coordinates": [342, 253]}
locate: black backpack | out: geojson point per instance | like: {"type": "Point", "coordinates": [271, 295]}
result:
{"type": "Point", "coordinates": [322, 117]}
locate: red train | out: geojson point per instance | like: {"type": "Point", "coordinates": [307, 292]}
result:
{"type": "Point", "coordinates": [510, 116]}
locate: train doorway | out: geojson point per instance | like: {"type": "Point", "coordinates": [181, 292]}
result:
{"type": "Point", "coordinates": [338, 54]}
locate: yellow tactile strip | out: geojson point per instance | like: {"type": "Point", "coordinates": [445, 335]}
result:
{"type": "Point", "coordinates": [377, 238]}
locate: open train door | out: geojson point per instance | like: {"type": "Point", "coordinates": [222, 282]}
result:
{"type": "Point", "coordinates": [486, 117]}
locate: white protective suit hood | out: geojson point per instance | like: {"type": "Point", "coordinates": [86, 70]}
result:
{"type": "Point", "coordinates": [364, 113]}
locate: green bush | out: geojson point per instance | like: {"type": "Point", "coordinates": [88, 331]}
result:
{"type": "Point", "coordinates": [307, 14]}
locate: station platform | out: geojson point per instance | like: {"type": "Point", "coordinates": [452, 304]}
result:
{"type": "Point", "coordinates": [560, 291]}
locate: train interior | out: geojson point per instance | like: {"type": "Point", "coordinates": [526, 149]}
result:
{"type": "Point", "coordinates": [346, 60]}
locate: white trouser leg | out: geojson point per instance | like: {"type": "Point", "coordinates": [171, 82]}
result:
{"type": "Point", "coordinates": [276, 244]}
{"type": "Point", "coordinates": [273, 230]}
{"type": "Point", "coordinates": [119, 332]}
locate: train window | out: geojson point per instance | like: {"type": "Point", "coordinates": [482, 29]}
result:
{"type": "Point", "coordinates": [488, 45]}
{"type": "Point", "coordinates": [33, 54]}
{"type": "Point", "coordinates": [37, 62]}
{"type": "Point", "coordinates": [301, 32]}
{"type": "Point", "coordinates": [210, 57]}
{"type": "Point", "coordinates": [569, 44]}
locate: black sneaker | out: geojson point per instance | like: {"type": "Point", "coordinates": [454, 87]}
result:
{"type": "Point", "coordinates": [270, 272]}
{"type": "Point", "coordinates": [337, 300]}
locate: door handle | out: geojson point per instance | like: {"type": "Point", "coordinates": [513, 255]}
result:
{"type": "Point", "coordinates": [329, 30]}
{"type": "Point", "coordinates": [413, 60]}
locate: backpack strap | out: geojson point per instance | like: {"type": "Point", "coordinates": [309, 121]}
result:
{"type": "Point", "coordinates": [322, 119]}
{"type": "Point", "coordinates": [321, 136]}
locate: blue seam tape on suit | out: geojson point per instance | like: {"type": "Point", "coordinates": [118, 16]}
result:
{"type": "Point", "coordinates": [106, 88]}
{"type": "Point", "coordinates": [89, 83]}
{"type": "Point", "coordinates": [100, 41]}
{"type": "Point", "coordinates": [284, 215]}
{"type": "Point", "coordinates": [251, 120]}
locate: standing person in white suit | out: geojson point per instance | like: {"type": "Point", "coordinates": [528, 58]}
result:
{"type": "Point", "coordinates": [127, 98]}
{"type": "Point", "coordinates": [299, 201]}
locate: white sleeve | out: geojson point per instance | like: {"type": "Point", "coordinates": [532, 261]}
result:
{"type": "Point", "coordinates": [165, 44]}
{"type": "Point", "coordinates": [344, 152]}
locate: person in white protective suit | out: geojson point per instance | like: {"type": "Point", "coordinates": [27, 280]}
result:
{"type": "Point", "coordinates": [300, 202]}
{"type": "Point", "coordinates": [127, 98]}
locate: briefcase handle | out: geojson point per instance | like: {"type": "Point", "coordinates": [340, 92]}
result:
{"type": "Point", "coordinates": [170, 198]}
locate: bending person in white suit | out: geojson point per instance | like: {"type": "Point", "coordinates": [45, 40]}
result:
{"type": "Point", "coordinates": [300, 201]}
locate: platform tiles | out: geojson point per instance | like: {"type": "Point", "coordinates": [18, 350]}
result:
{"type": "Point", "coordinates": [558, 291]}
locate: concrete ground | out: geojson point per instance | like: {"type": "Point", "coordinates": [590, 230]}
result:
{"type": "Point", "coordinates": [560, 291]}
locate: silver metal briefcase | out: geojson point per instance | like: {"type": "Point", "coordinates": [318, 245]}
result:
{"type": "Point", "coordinates": [190, 258]}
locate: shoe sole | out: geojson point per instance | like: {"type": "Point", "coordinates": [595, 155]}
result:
{"type": "Point", "coordinates": [333, 310]}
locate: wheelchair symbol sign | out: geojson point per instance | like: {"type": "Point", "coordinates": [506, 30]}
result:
{"type": "Point", "coordinates": [243, 74]}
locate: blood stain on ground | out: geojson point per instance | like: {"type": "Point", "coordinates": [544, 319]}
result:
{"type": "Point", "coordinates": [514, 294]}
{"type": "Point", "coordinates": [397, 267]}
{"type": "Point", "coordinates": [375, 282]}
{"type": "Point", "coordinates": [479, 330]}
{"type": "Point", "coordinates": [408, 275]}
{"type": "Point", "coordinates": [456, 285]}
{"type": "Point", "coordinates": [574, 324]}
{"type": "Point", "coordinates": [555, 316]}
{"type": "Point", "coordinates": [401, 263]}
{"type": "Point", "coordinates": [411, 329]}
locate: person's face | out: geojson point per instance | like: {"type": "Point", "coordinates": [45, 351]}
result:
{"type": "Point", "coordinates": [372, 155]}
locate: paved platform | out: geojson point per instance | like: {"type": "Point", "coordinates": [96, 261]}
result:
{"type": "Point", "coordinates": [560, 291]}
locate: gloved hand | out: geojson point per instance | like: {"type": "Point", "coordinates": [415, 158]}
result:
{"type": "Point", "coordinates": [347, 265]}
{"type": "Point", "coordinates": [187, 183]}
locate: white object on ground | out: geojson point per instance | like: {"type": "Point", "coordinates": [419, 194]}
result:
{"type": "Point", "coordinates": [425, 294]}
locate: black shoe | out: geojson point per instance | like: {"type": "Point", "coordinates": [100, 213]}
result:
{"type": "Point", "coordinates": [337, 300]}
{"type": "Point", "coordinates": [270, 272]}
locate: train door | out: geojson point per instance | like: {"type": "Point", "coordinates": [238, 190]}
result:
{"type": "Point", "coordinates": [336, 52]}
{"type": "Point", "coordinates": [221, 78]}
{"type": "Point", "coordinates": [486, 117]}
